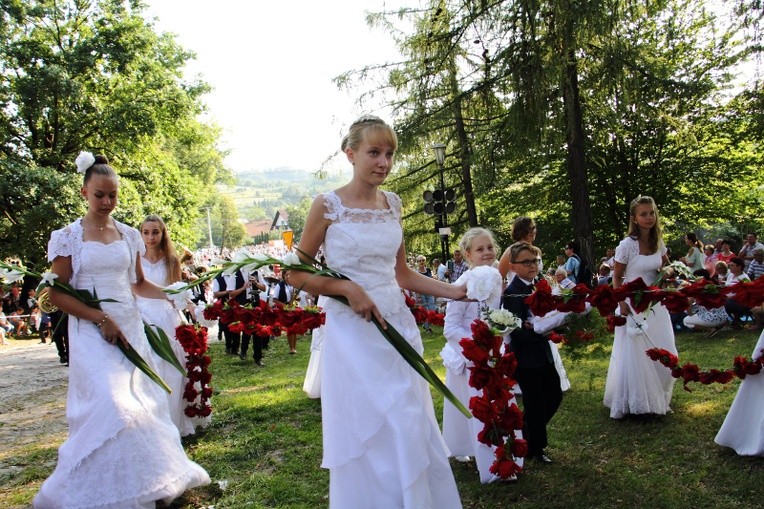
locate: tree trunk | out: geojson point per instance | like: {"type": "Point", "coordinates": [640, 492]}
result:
{"type": "Point", "coordinates": [576, 160]}
{"type": "Point", "coordinates": [465, 152]}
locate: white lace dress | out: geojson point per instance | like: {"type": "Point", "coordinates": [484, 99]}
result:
{"type": "Point", "coordinates": [162, 314]}
{"type": "Point", "coordinates": [123, 450]}
{"type": "Point", "coordinates": [743, 428]}
{"type": "Point", "coordinates": [381, 440]}
{"type": "Point", "coordinates": [635, 383]}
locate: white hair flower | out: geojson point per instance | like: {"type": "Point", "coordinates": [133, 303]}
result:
{"type": "Point", "coordinates": [483, 283]}
{"type": "Point", "coordinates": [84, 161]}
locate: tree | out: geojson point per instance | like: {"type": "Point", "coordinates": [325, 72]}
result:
{"type": "Point", "coordinates": [227, 231]}
{"type": "Point", "coordinates": [93, 75]}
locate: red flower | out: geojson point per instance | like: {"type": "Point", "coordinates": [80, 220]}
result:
{"type": "Point", "coordinates": [706, 293]}
{"type": "Point", "coordinates": [748, 294]}
{"type": "Point", "coordinates": [482, 376]}
{"type": "Point", "coordinates": [541, 301]}
{"type": "Point", "coordinates": [557, 338]}
{"type": "Point", "coordinates": [675, 301]}
{"type": "Point", "coordinates": [482, 409]}
{"type": "Point", "coordinates": [474, 352]}
{"type": "Point", "coordinates": [519, 448]}
{"type": "Point", "coordinates": [614, 321]}
{"type": "Point", "coordinates": [575, 302]}
{"type": "Point", "coordinates": [603, 299]}
{"type": "Point", "coordinates": [506, 365]}
{"type": "Point", "coordinates": [665, 357]}
{"type": "Point", "coordinates": [504, 467]}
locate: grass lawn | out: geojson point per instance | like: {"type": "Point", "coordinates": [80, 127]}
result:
{"type": "Point", "coordinates": [264, 446]}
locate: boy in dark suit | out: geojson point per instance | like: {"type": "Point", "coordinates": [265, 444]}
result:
{"type": "Point", "coordinates": [536, 374]}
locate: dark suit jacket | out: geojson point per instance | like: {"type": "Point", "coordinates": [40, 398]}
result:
{"type": "Point", "coordinates": [242, 297]}
{"type": "Point", "coordinates": [531, 349]}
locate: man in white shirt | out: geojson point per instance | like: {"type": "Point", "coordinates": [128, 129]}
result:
{"type": "Point", "coordinates": [751, 245]}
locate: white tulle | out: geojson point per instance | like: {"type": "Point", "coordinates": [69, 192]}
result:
{"type": "Point", "coordinates": [382, 444]}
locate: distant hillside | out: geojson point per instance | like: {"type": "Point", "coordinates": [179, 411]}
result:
{"type": "Point", "coordinates": [259, 194]}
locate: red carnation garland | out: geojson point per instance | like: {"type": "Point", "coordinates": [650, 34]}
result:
{"type": "Point", "coordinates": [605, 299]}
{"type": "Point", "coordinates": [193, 339]}
{"type": "Point", "coordinates": [263, 320]}
{"type": "Point", "coordinates": [491, 373]}
{"type": "Point", "coordinates": [422, 315]}
{"type": "Point", "coordinates": [689, 372]}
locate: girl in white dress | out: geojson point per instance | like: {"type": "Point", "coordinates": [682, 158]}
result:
{"type": "Point", "coordinates": [743, 428]}
{"type": "Point", "coordinates": [161, 265]}
{"type": "Point", "coordinates": [382, 444]}
{"type": "Point", "coordinates": [460, 433]}
{"type": "Point", "coordinates": [123, 450]}
{"type": "Point", "coordinates": [636, 384]}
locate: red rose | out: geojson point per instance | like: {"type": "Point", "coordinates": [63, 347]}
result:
{"type": "Point", "coordinates": [482, 376]}
{"type": "Point", "coordinates": [557, 338]}
{"type": "Point", "coordinates": [482, 409]}
{"type": "Point", "coordinates": [675, 301]}
{"type": "Point", "coordinates": [474, 352]}
{"type": "Point", "coordinates": [614, 321]}
{"type": "Point", "coordinates": [507, 364]}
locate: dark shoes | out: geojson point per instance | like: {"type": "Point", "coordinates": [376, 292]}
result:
{"type": "Point", "coordinates": [260, 363]}
{"type": "Point", "coordinates": [542, 458]}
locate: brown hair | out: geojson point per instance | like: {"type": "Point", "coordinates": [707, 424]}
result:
{"type": "Point", "coordinates": [101, 167]}
{"type": "Point", "coordinates": [518, 247]}
{"type": "Point", "coordinates": [167, 248]}
{"type": "Point", "coordinates": [655, 237]}
{"type": "Point", "coordinates": [522, 226]}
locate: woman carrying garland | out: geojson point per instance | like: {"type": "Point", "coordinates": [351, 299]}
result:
{"type": "Point", "coordinates": [123, 450]}
{"type": "Point", "coordinates": [635, 384]}
{"type": "Point", "coordinates": [382, 444]}
{"type": "Point", "coordinates": [161, 266]}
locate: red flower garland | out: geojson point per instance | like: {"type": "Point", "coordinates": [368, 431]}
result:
{"type": "Point", "coordinates": [492, 373]}
{"type": "Point", "coordinates": [193, 339]}
{"type": "Point", "coordinates": [422, 315]}
{"type": "Point", "coordinates": [692, 373]}
{"type": "Point", "coordinates": [605, 299]}
{"type": "Point", "coordinates": [263, 320]}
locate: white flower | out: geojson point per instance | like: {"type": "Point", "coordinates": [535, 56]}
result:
{"type": "Point", "coordinates": [500, 320]}
{"type": "Point", "coordinates": [180, 298]}
{"type": "Point", "coordinates": [261, 257]}
{"type": "Point", "coordinates": [199, 314]}
{"type": "Point", "coordinates": [11, 276]}
{"type": "Point", "coordinates": [84, 161]}
{"type": "Point", "coordinates": [483, 283]}
{"type": "Point", "coordinates": [239, 256]}
{"type": "Point", "coordinates": [48, 277]}
{"type": "Point", "coordinates": [291, 259]}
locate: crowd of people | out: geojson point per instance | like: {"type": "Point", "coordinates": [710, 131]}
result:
{"type": "Point", "coordinates": [382, 443]}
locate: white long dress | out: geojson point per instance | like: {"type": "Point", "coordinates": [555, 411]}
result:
{"type": "Point", "coordinates": [460, 433]}
{"type": "Point", "coordinates": [312, 383]}
{"type": "Point", "coordinates": [743, 428]}
{"type": "Point", "coordinates": [123, 450]}
{"type": "Point", "coordinates": [635, 383]}
{"type": "Point", "coordinates": [162, 314]}
{"type": "Point", "coordinates": [382, 444]}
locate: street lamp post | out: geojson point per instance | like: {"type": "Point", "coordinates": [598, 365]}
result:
{"type": "Point", "coordinates": [209, 229]}
{"type": "Point", "coordinates": [442, 202]}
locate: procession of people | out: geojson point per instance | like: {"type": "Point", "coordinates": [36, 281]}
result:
{"type": "Point", "coordinates": [382, 442]}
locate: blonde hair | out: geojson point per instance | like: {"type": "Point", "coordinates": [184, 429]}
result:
{"type": "Point", "coordinates": [372, 129]}
{"type": "Point", "coordinates": [465, 243]}
{"type": "Point", "coordinates": [655, 237]}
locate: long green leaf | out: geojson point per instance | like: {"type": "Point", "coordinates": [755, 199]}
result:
{"type": "Point", "coordinates": [140, 363]}
{"type": "Point", "coordinates": [160, 343]}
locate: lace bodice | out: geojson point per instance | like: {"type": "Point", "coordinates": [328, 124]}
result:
{"type": "Point", "coordinates": [638, 265]}
{"type": "Point", "coordinates": [68, 241]}
{"type": "Point", "coordinates": [363, 243]}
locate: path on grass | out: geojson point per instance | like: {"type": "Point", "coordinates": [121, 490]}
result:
{"type": "Point", "coordinates": [32, 398]}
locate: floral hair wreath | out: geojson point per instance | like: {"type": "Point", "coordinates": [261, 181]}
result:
{"type": "Point", "coordinates": [84, 161]}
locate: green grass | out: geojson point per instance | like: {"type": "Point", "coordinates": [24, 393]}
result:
{"type": "Point", "coordinates": [264, 445]}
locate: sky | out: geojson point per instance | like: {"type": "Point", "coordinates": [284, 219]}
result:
{"type": "Point", "coordinates": [271, 65]}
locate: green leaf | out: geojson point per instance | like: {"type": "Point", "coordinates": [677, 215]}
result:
{"type": "Point", "coordinates": [160, 343]}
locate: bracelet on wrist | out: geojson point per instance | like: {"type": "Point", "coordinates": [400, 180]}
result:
{"type": "Point", "coordinates": [103, 320]}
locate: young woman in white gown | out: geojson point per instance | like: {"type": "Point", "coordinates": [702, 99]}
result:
{"type": "Point", "coordinates": [123, 450]}
{"type": "Point", "coordinates": [460, 433]}
{"type": "Point", "coordinates": [161, 265]}
{"type": "Point", "coordinates": [635, 383]}
{"type": "Point", "coordinates": [382, 444]}
{"type": "Point", "coordinates": [743, 428]}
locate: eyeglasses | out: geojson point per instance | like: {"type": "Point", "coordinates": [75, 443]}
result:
{"type": "Point", "coordinates": [529, 263]}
